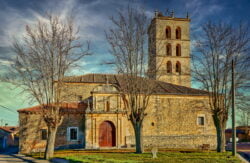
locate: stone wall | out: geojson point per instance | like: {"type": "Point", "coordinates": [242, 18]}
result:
{"type": "Point", "coordinates": [158, 50]}
{"type": "Point", "coordinates": [31, 124]}
{"type": "Point", "coordinates": [173, 118]}
{"type": "Point", "coordinates": [71, 120]}
{"type": "Point", "coordinates": [30, 132]}
{"type": "Point", "coordinates": [72, 91]}
{"type": "Point", "coordinates": [177, 115]}
{"type": "Point", "coordinates": [177, 141]}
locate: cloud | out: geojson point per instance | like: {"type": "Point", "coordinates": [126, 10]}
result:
{"type": "Point", "coordinates": [92, 17]}
{"type": "Point", "coordinates": [201, 10]}
{"type": "Point", "coordinates": [6, 62]}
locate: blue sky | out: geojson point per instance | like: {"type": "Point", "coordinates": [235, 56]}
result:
{"type": "Point", "coordinates": [92, 17]}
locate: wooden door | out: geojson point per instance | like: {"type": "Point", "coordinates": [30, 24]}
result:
{"type": "Point", "coordinates": [107, 134]}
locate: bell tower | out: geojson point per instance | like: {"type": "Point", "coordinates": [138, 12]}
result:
{"type": "Point", "coordinates": [169, 49]}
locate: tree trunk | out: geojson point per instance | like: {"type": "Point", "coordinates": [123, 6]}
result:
{"type": "Point", "coordinates": [49, 151]}
{"type": "Point", "coordinates": [138, 144]}
{"type": "Point", "coordinates": [220, 129]}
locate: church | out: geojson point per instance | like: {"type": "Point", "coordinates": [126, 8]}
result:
{"type": "Point", "coordinates": [178, 116]}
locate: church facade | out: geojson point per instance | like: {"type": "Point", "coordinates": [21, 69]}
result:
{"type": "Point", "coordinates": [94, 116]}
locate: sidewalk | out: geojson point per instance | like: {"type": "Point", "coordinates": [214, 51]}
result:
{"type": "Point", "coordinates": [5, 158]}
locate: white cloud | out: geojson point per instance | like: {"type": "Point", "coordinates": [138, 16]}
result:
{"type": "Point", "coordinates": [6, 62]}
{"type": "Point", "coordinates": [199, 11]}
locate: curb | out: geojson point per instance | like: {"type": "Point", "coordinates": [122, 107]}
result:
{"type": "Point", "coordinates": [241, 158]}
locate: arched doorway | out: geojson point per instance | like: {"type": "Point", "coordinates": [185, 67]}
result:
{"type": "Point", "coordinates": [107, 134]}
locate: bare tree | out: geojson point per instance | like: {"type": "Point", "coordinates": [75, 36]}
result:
{"type": "Point", "coordinates": [243, 105]}
{"type": "Point", "coordinates": [244, 118]}
{"type": "Point", "coordinates": [43, 56]}
{"type": "Point", "coordinates": [219, 44]}
{"type": "Point", "coordinates": [128, 41]}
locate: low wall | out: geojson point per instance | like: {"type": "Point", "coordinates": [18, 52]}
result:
{"type": "Point", "coordinates": [176, 141]}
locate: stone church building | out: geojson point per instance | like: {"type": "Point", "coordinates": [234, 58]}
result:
{"type": "Point", "coordinates": [177, 117]}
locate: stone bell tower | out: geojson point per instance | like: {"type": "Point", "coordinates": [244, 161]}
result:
{"type": "Point", "coordinates": [169, 49]}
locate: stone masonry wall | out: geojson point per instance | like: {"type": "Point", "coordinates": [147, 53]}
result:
{"type": "Point", "coordinates": [175, 119]}
{"type": "Point", "coordinates": [30, 139]}
{"type": "Point", "coordinates": [178, 141]}
{"type": "Point", "coordinates": [171, 122]}
{"type": "Point", "coordinates": [30, 132]}
{"type": "Point", "coordinates": [158, 34]}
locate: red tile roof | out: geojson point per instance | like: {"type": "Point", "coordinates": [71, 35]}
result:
{"type": "Point", "coordinates": [9, 129]}
{"type": "Point", "coordinates": [65, 108]}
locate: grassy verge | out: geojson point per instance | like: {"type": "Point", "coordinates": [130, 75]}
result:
{"type": "Point", "coordinates": [126, 156]}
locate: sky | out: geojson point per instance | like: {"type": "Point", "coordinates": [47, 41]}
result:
{"type": "Point", "coordinates": [93, 18]}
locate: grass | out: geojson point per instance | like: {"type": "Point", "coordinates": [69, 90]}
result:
{"type": "Point", "coordinates": [127, 156]}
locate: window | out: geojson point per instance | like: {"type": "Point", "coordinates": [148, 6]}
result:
{"type": "Point", "coordinates": [178, 50]}
{"type": "Point", "coordinates": [44, 134]}
{"type": "Point", "coordinates": [201, 120]}
{"type": "Point", "coordinates": [169, 67]}
{"type": "Point", "coordinates": [72, 133]}
{"type": "Point", "coordinates": [168, 32]}
{"type": "Point", "coordinates": [178, 33]}
{"type": "Point", "coordinates": [107, 106]}
{"type": "Point", "coordinates": [169, 50]}
{"type": "Point", "coordinates": [178, 67]}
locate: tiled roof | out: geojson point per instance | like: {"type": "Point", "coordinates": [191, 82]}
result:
{"type": "Point", "coordinates": [238, 131]}
{"type": "Point", "coordinates": [65, 108]}
{"type": "Point", "coordinates": [160, 88]}
{"type": "Point", "coordinates": [9, 129]}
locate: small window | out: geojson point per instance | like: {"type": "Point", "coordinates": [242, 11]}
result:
{"type": "Point", "coordinates": [168, 32]}
{"type": "Point", "coordinates": [178, 67]}
{"type": "Point", "coordinates": [178, 50]}
{"type": "Point", "coordinates": [201, 120]}
{"type": "Point", "coordinates": [73, 133]}
{"type": "Point", "coordinates": [169, 50]}
{"type": "Point", "coordinates": [44, 134]}
{"type": "Point", "coordinates": [107, 106]}
{"type": "Point", "coordinates": [178, 33]}
{"type": "Point", "coordinates": [169, 67]}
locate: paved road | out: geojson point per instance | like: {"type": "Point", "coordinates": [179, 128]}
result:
{"type": "Point", "coordinates": [4, 158]}
{"type": "Point", "coordinates": [242, 148]}
{"type": "Point", "coordinates": [10, 155]}
{"type": "Point", "coordinates": [7, 158]}
{"type": "Point", "coordinates": [245, 154]}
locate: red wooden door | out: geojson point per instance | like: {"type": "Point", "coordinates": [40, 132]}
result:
{"type": "Point", "coordinates": [107, 134]}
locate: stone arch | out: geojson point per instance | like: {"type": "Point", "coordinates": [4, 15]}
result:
{"type": "Point", "coordinates": [178, 33]}
{"type": "Point", "coordinates": [178, 50]}
{"type": "Point", "coordinates": [168, 32]}
{"type": "Point", "coordinates": [169, 50]}
{"type": "Point", "coordinates": [169, 67]}
{"type": "Point", "coordinates": [178, 67]}
{"type": "Point", "coordinates": [107, 134]}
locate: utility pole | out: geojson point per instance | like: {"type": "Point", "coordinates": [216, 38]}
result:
{"type": "Point", "coordinates": [233, 113]}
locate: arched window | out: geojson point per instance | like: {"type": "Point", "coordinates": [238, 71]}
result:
{"type": "Point", "coordinates": [178, 67]}
{"type": "Point", "coordinates": [169, 67]}
{"type": "Point", "coordinates": [169, 50]}
{"type": "Point", "coordinates": [168, 32]}
{"type": "Point", "coordinates": [178, 33]}
{"type": "Point", "coordinates": [178, 50]}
